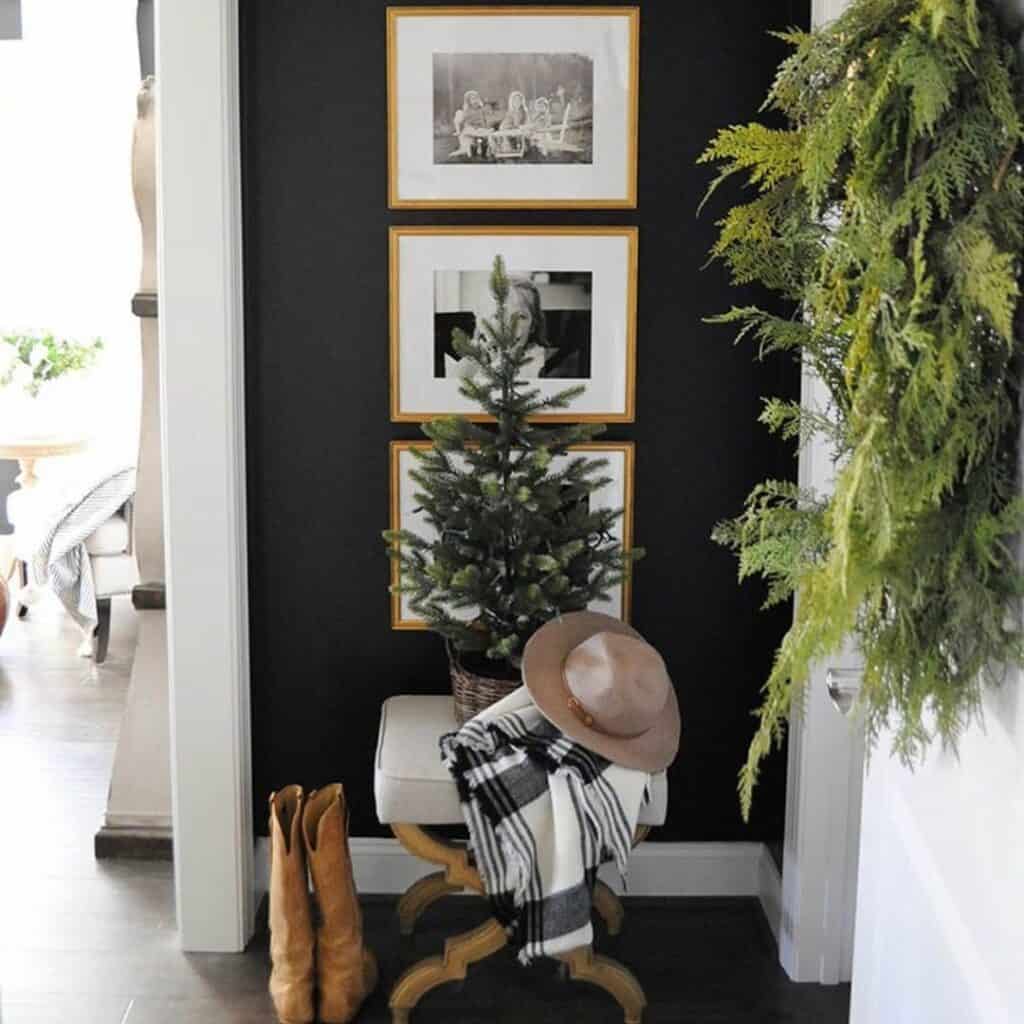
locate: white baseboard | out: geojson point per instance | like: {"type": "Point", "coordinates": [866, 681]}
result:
{"type": "Point", "coordinates": [689, 869]}
{"type": "Point", "coordinates": [656, 869]}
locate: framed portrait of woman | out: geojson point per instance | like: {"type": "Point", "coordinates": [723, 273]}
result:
{"type": "Point", "coordinates": [616, 459]}
{"type": "Point", "coordinates": [516, 107]}
{"type": "Point", "coordinates": [572, 289]}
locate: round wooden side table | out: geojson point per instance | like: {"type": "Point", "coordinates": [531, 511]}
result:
{"type": "Point", "coordinates": [29, 450]}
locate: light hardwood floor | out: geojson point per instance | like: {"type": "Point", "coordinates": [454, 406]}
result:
{"type": "Point", "coordinates": [82, 940]}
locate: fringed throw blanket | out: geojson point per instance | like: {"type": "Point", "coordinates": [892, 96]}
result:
{"type": "Point", "coordinates": [60, 557]}
{"type": "Point", "coordinates": [543, 814]}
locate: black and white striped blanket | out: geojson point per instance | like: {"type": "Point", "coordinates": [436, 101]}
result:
{"type": "Point", "coordinates": [543, 814]}
{"type": "Point", "coordinates": [60, 558]}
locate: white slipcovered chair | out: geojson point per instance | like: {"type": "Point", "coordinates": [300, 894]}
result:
{"type": "Point", "coordinates": [414, 790]}
{"type": "Point", "coordinates": [111, 557]}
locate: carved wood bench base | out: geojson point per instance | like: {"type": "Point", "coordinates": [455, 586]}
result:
{"type": "Point", "coordinates": [460, 951]}
{"type": "Point", "coordinates": [421, 895]}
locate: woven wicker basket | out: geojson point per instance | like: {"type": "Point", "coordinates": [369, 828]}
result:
{"type": "Point", "coordinates": [472, 692]}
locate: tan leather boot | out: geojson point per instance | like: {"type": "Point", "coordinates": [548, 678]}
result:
{"type": "Point", "coordinates": [346, 969]}
{"type": "Point", "coordinates": [291, 919]}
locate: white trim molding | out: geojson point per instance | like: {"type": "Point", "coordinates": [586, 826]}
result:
{"type": "Point", "coordinates": [823, 796]}
{"type": "Point", "coordinates": [655, 869]}
{"type": "Point", "coordinates": [825, 774]}
{"type": "Point", "coordinates": [201, 345]}
{"type": "Point", "coordinates": [824, 11]}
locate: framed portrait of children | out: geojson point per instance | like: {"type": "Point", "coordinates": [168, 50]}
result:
{"type": "Point", "coordinates": [617, 493]}
{"type": "Point", "coordinates": [525, 107]}
{"type": "Point", "coordinates": [573, 289]}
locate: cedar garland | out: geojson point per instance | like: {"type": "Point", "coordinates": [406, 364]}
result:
{"type": "Point", "coordinates": [889, 212]}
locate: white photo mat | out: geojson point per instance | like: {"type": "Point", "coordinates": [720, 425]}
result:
{"type": "Point", "coordinates": [608, 38]}
{"type": "Point", "coordinates": [618, 493]}
{"type": "Point", "coordinates": [609, 254]}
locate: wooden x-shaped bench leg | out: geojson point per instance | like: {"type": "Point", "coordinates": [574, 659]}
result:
{"type": "Point", "coordinates": [459, 874]}
{"type": "Point", "coordinates": [470, 947]}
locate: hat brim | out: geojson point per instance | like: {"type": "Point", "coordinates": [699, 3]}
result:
{"type": "Point", "coordinates": [543, 661]}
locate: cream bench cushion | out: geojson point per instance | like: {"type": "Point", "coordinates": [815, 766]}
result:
{"type": "Point", "coordinates": [110, 538]}
{"type": "Point", "coordinates": [412, 786]}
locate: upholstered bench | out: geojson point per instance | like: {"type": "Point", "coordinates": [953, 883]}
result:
{"type": "Point", "coordinates": [414, 791]}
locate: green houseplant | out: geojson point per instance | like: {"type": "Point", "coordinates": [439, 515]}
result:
{"type": "Point", "coordinates": [514, 540]}
{"type": "Point", "coordinates": [887, 209]}
{"type": "Point", "coordinates": [29, 361]}
{"type": "Point", "coordinates": [35, 368]}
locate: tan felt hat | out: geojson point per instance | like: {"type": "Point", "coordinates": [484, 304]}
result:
{"type": "Point", "coordinates": [599, 682]}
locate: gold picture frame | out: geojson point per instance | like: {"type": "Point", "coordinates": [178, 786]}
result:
{"type": "Point", "coordinates": [626, 449]}
{"type": "Point", "coordinates": [627, 413]}
{"type": "Point", "coordinates": [626, 201]}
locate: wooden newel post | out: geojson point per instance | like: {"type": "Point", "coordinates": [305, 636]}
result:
{"type": "Point", "coordinates": [138, 817]}
{"type": "Point", "coordinates": [149, 534]}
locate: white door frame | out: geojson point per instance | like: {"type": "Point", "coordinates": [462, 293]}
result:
{"type": "Point", "coordinates": [823, 797]}
{"type": "Point", "coordinates": [202, 411]}
{"type": "Point", "coordinates": [825, 776]}
{"type": "Point", "coordinates": [202, 407]}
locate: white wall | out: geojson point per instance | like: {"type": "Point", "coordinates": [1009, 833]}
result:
{"type": "Point", "coordinates": [940, 911]}
{"type": "Point", "coordinates": [823, 11]}
{"type": "Point", "coordinates": [69, 237]}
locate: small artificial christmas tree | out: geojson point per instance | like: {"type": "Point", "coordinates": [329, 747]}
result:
{"type": "Point", "coordinates": [516, 542]}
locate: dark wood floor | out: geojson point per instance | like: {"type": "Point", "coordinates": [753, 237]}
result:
{"type": "Point", "coordinates": [701, 961]}
{"type": "Point", "coordinates": [94, 942]}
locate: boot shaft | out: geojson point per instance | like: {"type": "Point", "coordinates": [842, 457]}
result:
{"type": "Point", "coordinates": [286, 806]}
{"type": "Point", "coordinates": [325, 836]}
{"type": "Point", "coordinates": [292, 942]}
{"type": "Point", "coordinates": [291, 919]}
{"type": "Point", "coordinates": [346, 969]}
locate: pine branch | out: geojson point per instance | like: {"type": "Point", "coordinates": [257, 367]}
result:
{"type": "Point", "coordinates": [890, 208]}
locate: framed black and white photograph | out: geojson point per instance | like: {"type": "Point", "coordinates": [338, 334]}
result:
{"type": "Point", "coordinates": [617, 493]}
{"type": "Point", "coordinates": [512, 107]}
{"type": "Point", "coordinates": [572, 289]}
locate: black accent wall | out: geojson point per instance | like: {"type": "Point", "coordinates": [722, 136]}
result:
{"type": "Point", "coordinates": [316, 224]}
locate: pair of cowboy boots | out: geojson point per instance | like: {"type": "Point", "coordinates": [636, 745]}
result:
{"type": "Point", "coordinates": [326, 959]}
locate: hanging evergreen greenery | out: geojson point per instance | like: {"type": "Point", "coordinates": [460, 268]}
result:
{"type": "Point", "coordinates": [516, 541]}
{"type": "Point", "coordinates": [889, 210]}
